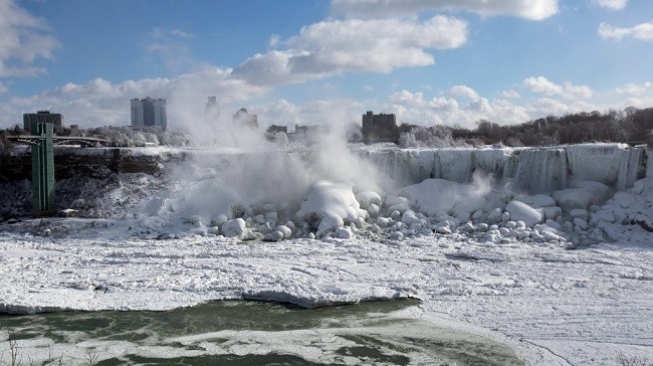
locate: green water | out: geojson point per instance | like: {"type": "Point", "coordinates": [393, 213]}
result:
{"type": "Point", "coordinates": [243, 333]}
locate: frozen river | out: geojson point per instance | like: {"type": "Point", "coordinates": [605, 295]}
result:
{"type": "Point", "coordinates": [250, 333]}
{"type": "Point", "coordinates": [548, 304]}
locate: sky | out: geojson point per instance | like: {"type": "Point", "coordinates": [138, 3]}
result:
{"type": "Point", "coordinates": [298, 62]}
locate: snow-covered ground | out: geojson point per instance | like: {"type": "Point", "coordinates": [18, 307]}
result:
{"type": "Point", "coordinates": [562, 273]}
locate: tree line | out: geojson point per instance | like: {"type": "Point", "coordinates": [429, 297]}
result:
{"type": "Point", "coordinates": [631, 125]}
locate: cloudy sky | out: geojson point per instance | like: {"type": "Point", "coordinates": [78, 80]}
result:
{"type": "Point", "coordinates": [430, 62]}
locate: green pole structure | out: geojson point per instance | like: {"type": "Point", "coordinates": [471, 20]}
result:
{"type": "Point", "coordinates": [43, 170]}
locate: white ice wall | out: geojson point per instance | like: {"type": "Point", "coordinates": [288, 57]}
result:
{"type": "Point", "coordinates": [539, 170]}
{"type": "Point", "coordinates": [532, 170]}
{"type": "Point", "coordinates": [649, 165]}
{"type": "Point", "coordinates": [529, 170]}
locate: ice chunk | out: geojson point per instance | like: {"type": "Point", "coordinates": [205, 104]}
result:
{"type": "Point", "coordinates": [434, 195]}
{"type": "Point", "coordinates": [365, 199]}
{"type": "Point", "coordinates": [373, 210]}
{"type": "Point", "coordinates": [580, 213]}
{"type": "Point", "coordinates": [523, 212]}
{"type": "Point", "coordinates": [234, 227]}
{"type": "Point", "coordinates": [572, 198]}
{"type": "Point", "coordinates": [599, 191]}
{"type": "Point", "coordinates": [285, 230]}
{"type": "Point", "coordinates": [537, 201]}
{"type": "Point", "coordinates": [409, 218]}
{"type": "Point", "coordinates": [552, 212]}
{"type": "Point", "coordinates": [344, 233]}
{"type": "Point", "coordinates": [494, 216]}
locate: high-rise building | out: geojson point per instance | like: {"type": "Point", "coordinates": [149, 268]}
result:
{"type": "Point", "coordinates": [380, 128]}
{"type": "Point", "coordinates": [212, 108]}
{"type": "Point", "coordinates": [42, 116]}
{"type": "Point", "coordinates": [244, 119]}
{"type": "Point", "coordinates": [149, 112]}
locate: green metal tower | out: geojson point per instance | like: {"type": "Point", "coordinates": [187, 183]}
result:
{"type": "Point", "coordinates": [42, 170]}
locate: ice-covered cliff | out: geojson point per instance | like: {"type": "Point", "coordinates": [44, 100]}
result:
{"type": "Point", "coordinates": [531, 170]}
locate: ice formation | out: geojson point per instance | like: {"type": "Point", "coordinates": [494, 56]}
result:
{"type": "Point", "coordinates": [532, 170]}
{"type": "Point", "coordinates": [440, 225]}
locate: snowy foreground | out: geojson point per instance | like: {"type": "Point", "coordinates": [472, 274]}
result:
{"type": "Point", "coordinates": [563, 277]}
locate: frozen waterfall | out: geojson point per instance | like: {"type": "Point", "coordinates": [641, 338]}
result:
{"type": "Point", "coordinates": [531, 170]}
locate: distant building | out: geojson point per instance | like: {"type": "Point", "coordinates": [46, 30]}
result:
{"type": "Point", "coordinates": [42, 116]}
{"type": "Point", "coordinates": [149, 112]}
{"type": "Point", "coordinates": [380, 128]}
{"type": "Point", "coordinates": [305, 130]}
{"type": "Point", "coordinates": [275, 129]}
{"type": "Point", "coordinates": [212, 108]}
{"type": "Point", "coordinates": [244, 119]}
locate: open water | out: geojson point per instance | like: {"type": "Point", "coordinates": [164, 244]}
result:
{"type": "Point", "coordinates": [243, 333]}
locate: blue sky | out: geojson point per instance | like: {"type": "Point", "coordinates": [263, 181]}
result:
{"type": "Point", "coordinates": [430, 62]}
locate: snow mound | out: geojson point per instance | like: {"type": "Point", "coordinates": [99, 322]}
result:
{"type": "Point", "coordinates": [435, 195]}
{"type": "Point", "coordinates": [582, 195]}
{"type": "Point", "coordinates": [627, 216]}
{"type": "Point", "coordinates": [327, 205]}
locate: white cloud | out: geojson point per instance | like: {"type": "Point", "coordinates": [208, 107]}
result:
{"type": "Point", "coordinates": [527, 9]}
{"type": "Point", "coordinates": [3, 88]}
{"type": "Point", "coordinates": [510, 94]}
{"type": "Point", "coordinates": [637, 95]}
{"type": "Point", "coordinates": [180, 33]}
{"type": "Point", "coordinates": [23, 39]}
{"type": "Point", "coordinates": [334, 47]}
{"type": "Point", "coordinates": [100, 102]}
{"type": "Point", "coordinates": [635, 89]}
{"type": "Point", "coordinates": [643, 32]}
{"type": "Point", "coordinates": [611, 4]}
{"type": "Point", "coordinates": [274, 40]}
{"type": "Point", "coordinates": [542, 85]}
{"type": "Point", "coordinates": [547, 107]}
{"type": "Point", "coordinates": [171, 46]}
{"type": "Point", "coordinates": [413, 108]}
{"type": "Point", "coordinates": [320, 112]}
{"type": "Point", "coordinates": [576, 91]}
{"type": "Point", "coordinates": [465, 91]}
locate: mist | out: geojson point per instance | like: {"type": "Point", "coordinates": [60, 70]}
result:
{"type": "Point", "coordinates": [235, 165]}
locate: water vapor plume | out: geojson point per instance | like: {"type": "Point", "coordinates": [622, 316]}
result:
{"type": "Point", "coordinates": [246, 168]}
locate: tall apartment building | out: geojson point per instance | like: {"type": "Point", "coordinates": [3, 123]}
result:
{"type": "Point", "coordinates": [149, 112]}
{"type": "Point", "coordinates": [380, 128]}
{"type": "Point", "coordinates": [212, 109]}
{"type": "Point", "coordinates": [42, 116]}
{"type": "Point", "coordinates": [243, 119]}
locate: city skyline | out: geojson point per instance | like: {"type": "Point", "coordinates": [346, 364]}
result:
{"type": "Point", "coordinates": [324, 62]}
